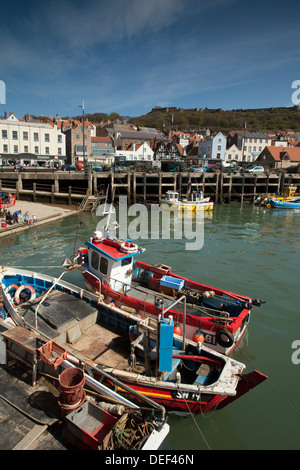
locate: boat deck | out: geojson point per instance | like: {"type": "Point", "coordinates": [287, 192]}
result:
{"type": "Point", "coordinates": [30, 416]}
{"type": "Point", "coordinates": [73, 323]}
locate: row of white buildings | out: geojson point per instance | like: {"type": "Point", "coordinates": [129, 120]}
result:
{"type": "Point", "coordinates": [30, 140]}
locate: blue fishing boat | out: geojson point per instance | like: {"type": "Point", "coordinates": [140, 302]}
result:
{"type": "Point", "coordinates": [289, 204]}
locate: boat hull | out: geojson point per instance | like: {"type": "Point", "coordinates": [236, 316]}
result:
{"type": "Point", "coordinates": [185, 402]}
{"type": "Point", "coordinates": [210, 328]}
{"type": "Point", "coordinates": [7, 205]}
{"type": "Point", "coordinates": [276, 204]}
{"type": "Point", "coordinates": [190, 206]}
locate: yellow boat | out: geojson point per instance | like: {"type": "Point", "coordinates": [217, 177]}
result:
{"type": "Point", "coordinates": [194, 203]}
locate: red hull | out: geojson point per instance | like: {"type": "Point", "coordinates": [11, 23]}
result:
{"type": "Point", "coordinates": [7, 205]}
{"type": "Point", "coordinates": [190, 402]}
{"type": "Point", "coordinates": [192, 320]}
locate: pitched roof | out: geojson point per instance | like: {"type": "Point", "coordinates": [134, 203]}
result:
{"type": "Point", "coordinates": [279, 152]}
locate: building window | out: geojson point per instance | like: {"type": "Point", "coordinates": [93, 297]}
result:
{"type": "Point", "coordinates": [4, 134]}
{"type": "Point", "coordinates": [25, 135]}
{"type": "Point", "coordinates": [47, 138]}
{"type": "Point", "coordinates": [59, 151]}
{"type": "Point", "coordinates": [15, 135]}
{"type": "Point", "coordinates": [5, 149]}
{"type": "Point", "coordinates": [36, 137]}
{"type": "Point", "coordinates": [25, 148]}
{"type": "Point", "coordinates": [16, 149]}
{"type": "Point", "coordinates": [36, 150]}
{"type": "Point", "coordinates": [59, 139]}
{"type": "Point", "coordinates": [47, 150]}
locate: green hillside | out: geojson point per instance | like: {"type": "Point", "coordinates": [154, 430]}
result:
{"type": "Point", "coordinates": [268, 119]}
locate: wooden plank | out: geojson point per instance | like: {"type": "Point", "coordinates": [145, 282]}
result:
{"type": "Point", "coordinates": [32, 436]}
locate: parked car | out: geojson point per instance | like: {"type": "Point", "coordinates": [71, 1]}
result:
{"type": "Point", "coordinates": [231, 169]}
{"type": "Point", "coordinates": [69, 168]}
{"type": "Point", "coordinates": [256, 170]}
{"type": "Point", "coordinates": [195, 169]}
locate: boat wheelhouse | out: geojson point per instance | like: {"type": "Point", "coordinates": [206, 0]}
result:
{"type": "Point", "coordinates": [110, 266]}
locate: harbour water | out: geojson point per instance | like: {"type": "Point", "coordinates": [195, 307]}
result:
{"type": "Point", "coordinates": [249, 250]}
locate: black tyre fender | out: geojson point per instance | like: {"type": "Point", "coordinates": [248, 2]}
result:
{"type": "Point", "coordinates": [224, 338]}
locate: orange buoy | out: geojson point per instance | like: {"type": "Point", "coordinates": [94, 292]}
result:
{"type": "Point", "coordinates": [177, 329]}
{"type": "Point", "coordinates": [198, 337]}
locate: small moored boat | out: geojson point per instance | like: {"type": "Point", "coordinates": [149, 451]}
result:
{"type": "Point", "coordinates": [7, 200]}
{"type": "Point", "coordinates": [195, 202]}
{"type": "Point", "coordinates": [149, 360]}
{"type": "Point", "coordinates": [282, 204]}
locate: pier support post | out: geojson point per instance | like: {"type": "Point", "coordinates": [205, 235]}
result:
{"type": "Point", "coordinates": [134, 188]}
{"type": "Point", "coordinates": [243, 189]}
{"type": "Point", "coordinates": [230, 189]}
{"type": "Point", "coordinates": [159, 187]}
{"type": "Point", "coordinates": [267, 187]}
{"type": "Point", "coordinates": [56, 184]}
{"type": "Point", "coordinates": [217, 187]}
{"type": "Point", "coordinates": [145, 187]}
{"type": "Point", "coordinates": [128, 187]}
{"type": "Point", "coordinates": [254, 189]}
{"type": "Point", "coordinates": [34, 192]}
{"type": "Point", "coordinates": [19, 185]}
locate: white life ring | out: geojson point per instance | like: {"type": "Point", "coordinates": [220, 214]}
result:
{"type": "Point", "coordinates": [20, 289]}
{"type": "Point", "coordinates": [12, 286]}
{"type": "Point", "coordinates": [128, 247]}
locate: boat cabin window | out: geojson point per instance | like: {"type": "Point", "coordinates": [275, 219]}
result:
{"type": "Point", "coordinates": [126, 261]}
{"type": "Point", "coordinates": [103, 265]}
{"type": "Point", "coordinates": [95, 260]}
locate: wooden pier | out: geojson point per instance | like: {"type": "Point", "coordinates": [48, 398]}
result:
{"type": "Point", "coordinates": [72, 187]}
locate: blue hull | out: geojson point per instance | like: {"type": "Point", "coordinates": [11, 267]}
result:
{"type": "Point", "coordinates": [285, 204]}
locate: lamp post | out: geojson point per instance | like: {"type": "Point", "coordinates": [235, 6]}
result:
{"type": "Point", "coordinates": [83, 138]}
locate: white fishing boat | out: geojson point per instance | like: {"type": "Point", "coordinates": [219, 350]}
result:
{"type": "Point", "coordinates": [143, 358]}
{"type": "Point", "coordinates": [196, 201]}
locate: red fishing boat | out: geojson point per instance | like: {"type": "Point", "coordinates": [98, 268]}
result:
{"type": "Point", "coordinates": [7, 200]}
{"type": "Point", "coordinates": [145, 359]}
{"type": "Point", "coordinates": [110, 266]}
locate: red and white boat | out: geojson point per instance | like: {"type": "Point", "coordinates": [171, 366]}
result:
{"type": "Point", "coordinates": [110, 267]}
{"type": "Point", "coordinates": [144, 359]}
{"type": "Point", "coordinates": [7, 200]}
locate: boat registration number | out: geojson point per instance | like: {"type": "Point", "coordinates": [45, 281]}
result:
{"type": "Point", "coordinates": [195, 396]}
{"type": "Point", "coordinates": [210, 339]}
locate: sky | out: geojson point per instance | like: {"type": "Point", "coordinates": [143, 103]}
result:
{"type": "Point", "coordinates": [128, 56]}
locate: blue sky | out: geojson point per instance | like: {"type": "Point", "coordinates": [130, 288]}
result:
{"type": "Point", "coordinates": [128, 56]}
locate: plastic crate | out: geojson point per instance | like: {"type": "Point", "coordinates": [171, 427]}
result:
{"type": "Point", "coordinates": [52, 354]}
{"type": "Point", "coordinates": [172, 282]}
{"type": "Point", "coordinates": [90, 423]}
